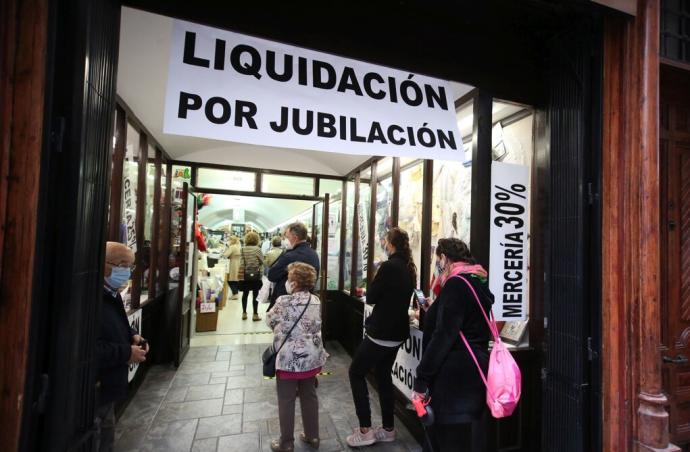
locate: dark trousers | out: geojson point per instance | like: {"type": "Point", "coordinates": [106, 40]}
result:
{"type": "Point", "coordinates": [105, 427]}
{"type": "Point", "coordinates": [253, 287]}
{"type": "Point", "coordinates": [449, 438]}
{"type": "Point", "coordinates": [288, 390]}
{"type": "Point", "coordinates": [373, 356]}
{"type": "Point", "coordinates": [234, 287]}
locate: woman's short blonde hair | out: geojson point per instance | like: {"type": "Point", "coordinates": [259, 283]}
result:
{"type": "Point", "coordinates": [303, 275]}
{"type": "Point", "coordinates": [251, 239]}
{"type": "Point", "coordinates": [234, 240]}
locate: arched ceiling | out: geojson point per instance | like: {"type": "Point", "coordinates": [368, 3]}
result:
{"type": "Point", "coordinates": [264, 213]}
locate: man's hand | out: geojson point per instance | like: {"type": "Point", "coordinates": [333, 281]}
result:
{"type": "Point", "coordinates": [138, 355]}
{"type": "Point", "coordinates": [136, 340]}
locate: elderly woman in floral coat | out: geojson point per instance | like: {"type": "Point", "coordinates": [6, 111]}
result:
{"type": "Point", "coordinates": [301, 357]}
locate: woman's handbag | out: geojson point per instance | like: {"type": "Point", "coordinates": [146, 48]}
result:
{"type": "Point", "coordinates": [503, 380]}
{"type": "Point", "coordinates": [251, 275]}
{"type": "Point", "coordinates": [270, 354]}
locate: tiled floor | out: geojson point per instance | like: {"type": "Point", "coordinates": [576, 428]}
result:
{"type": "Point", "coordinates": [218, 401]}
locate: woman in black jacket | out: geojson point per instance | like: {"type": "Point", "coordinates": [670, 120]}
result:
{"type": "Point", "coordinates": [386, 329]}
{"type": "Point", "coordinates": [447, 373]}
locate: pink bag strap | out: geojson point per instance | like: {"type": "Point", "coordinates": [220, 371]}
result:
{"type": "Point", "coordinates": [492, 326]}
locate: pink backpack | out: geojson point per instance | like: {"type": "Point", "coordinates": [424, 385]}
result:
{"type": "Point", "coordinates": [503, 381]}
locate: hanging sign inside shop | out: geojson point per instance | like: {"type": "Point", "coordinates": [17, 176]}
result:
{"type": "Point", "coordinates": [130, 213]}
{"type": "Point", "coordinates": [229, 86]}
{"type": "Point", "coordinates": [509, 251]}
{"type": "Point", "coordinates": [134, 320]}
{"type": "Point", "coordinates": [409, 355]}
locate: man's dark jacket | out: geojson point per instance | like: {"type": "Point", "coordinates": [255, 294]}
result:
{"type": "Point", "coordinates": [390, 293]}
{"type": "Point", "coordinates": [278, 273]}
{"type": "Point", "coordinates": [113, 348]}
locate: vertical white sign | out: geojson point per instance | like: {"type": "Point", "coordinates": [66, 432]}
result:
{"type": "Point", "coordinates": [130, 211]}
{"type": "Point", "coordinates": [135, 322]}
{"type": "Point", "coordinates": [509, 252]}
{"type": "Point", "coordinates": [363, 237]}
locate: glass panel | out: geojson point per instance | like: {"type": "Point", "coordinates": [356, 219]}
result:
{"type": "Point", "coordinates": [180, 175]}
{"type": "Point", "coordinates": [364, 210]}
{"type": "Point", "coordinates": [287, 185]}
{"type": "Point", "coordinates": [349, 211]}
{"type": "Point", "coordinates": [511, 135]}
{"type": "Point", "coordinates": [330, 186]}
{"type": "Point", "coordinates": [334, 225]}
{"type": "Point", "coordinates": [410, 219]}
{"type": "Point", "coordinates": [318, 231]}
{"type": "Point", "coordinates": [162, 222]}
{"type": "Point", "coordinates": [226, 180]}
{"type": "Point", "coordinates": [384, 167]}
{"type": "Point", "coordinates": [148, 216]}
{"type": "Point", "coordinates": [365, 174]}
{"type": "Point", "coordinates": [384, 199]}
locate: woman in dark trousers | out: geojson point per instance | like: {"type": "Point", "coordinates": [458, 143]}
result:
{"type": "Point", "coordinates": [386, 329]}
{"type": "Point", "coordinates": [447, 372]}
{"type": "Point", "coordinates": [252, 260]}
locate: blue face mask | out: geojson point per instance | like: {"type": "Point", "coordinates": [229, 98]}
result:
{"type": "Point", "coordinates": [118, 277]}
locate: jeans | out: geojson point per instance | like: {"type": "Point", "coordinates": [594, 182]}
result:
{"type": "Point", "coordinates": [105, 427]}
{"type": "Point", "coordinates": [254, 287]}
{"type": "Point", "coordinates": [288, 391]}
{"type": "Point", "coordinates": [449, 438]}
{"type": "Point", "coordinates": [373, 356]}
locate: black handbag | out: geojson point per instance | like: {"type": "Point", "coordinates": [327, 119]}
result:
{"type": "Point", "coordinates": [250, 276]}
{"type": "Point", "coordinates": [268, 357]}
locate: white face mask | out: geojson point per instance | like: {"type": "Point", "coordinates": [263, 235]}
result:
{"type": "Point", "coordinates": [287, 244]}
{"type": "Point", "coordinates": [289, 287]}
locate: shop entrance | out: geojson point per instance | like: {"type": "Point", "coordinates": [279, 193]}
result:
{"type": "Point", "coordinates": [675, 258]}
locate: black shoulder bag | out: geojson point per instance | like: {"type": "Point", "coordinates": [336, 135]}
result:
{"type": "Point", "coordinates": [253, 275]}
{"type": "Point", "coordinates": [270, 354]}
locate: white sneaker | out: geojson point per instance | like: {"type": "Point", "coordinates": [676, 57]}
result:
{"type": "Point", "coordinates": [384, 436]}
{"type": "Point", "coordinates": [358, 439]}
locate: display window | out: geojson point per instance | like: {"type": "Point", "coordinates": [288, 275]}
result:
{"type": "Point", "coordinates": [349, 217]}
{"type": "Point", "coordinates": [130, 173]}
{"type": "Point", "coordinates": [384, 201]}
{"type": "Point", "coordinates": [334, 231]}
{"type": "Point", "coordinates": [410, 211]}
{"type": "Point", "coordinates": [363, 213]}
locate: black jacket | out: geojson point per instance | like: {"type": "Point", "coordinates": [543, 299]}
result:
{"type": "Point", "coordinates": [390, 293]}
{"type": "Point", "coordinates": [457, 391]}
{"type": "Point", "coordinates": [278, 271]}
{"type": "Point", "coordinates": [113, 349]}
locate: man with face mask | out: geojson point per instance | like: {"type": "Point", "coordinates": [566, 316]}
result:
{"type": "Point", "coordinates": [298, 250]}
{"type": "Point", "coordinates": [118, 344]}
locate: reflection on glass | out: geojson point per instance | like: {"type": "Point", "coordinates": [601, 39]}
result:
{"type": "Point", "coordinates": [451, 204]}
{"type": "Point", "coordinates": [362, 255]}
{"type": "Point", "coordinates": [384, 198]}
{"type": "Point", "coordinates": [288, 185]}
{"type": "Point", "coordinates": [330, 186]}
{"type": "Point", "coordinates": [511, 139]}
{"type": "Point", "coordinates": [410, 216]}
{"type": "Point", "coordinates": [226, 179]}
{"type": "Point", "coordinates": [384, 167]}
{"type": "Point", "coordinates": [334, 225]}
{"type": "Point", "coordinates": [350, 211]}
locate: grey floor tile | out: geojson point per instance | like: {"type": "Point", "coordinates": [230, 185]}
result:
{"type": "Point", "coordinates": [174, 436]}
{"type": "Point", "coordinates": [217, 380]}
{"type": "Point", "coordinates": [244, 442]}
{"type": "Point", "coordinates": [189, 410]}
{"type": "Point", "coordinates": [233, 409]}
{"type": "Point", "coordinates": [199, 368]}
{"type": "Point", "coordinates": [176, 394]}
{"type": "Point", "coordinates": [264, 393]}
{"type": "Point", "coordinates": [223, 356]}
{"type": "Point", "coordinates": [219, 426]}
{"type": "Point", "coordinates": [203, 392]}
{"type": "Point", "coordinates": [140, 411]}
{"type": "Point", "coordinates": [255, 426]}
{"type": "Point", "coordinates": [243, 381]}
{"type": "Point", "coordinates": [205, 445]}
{"type": "Point", "coordinates": [234, 396]}
{"type": "Point", "coordinates": [131, 438]}
{"type": "Point", "coordinates": [229, 373]}
{"type": "Point", "coordinates": [190, 379]}
{"type": "Point", "coordinates": [260, 410]}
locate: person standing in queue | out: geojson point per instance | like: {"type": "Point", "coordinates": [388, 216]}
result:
{"type": "Point", "coordinates": [118, 344]}
{"type": "Point", "coordinates": [296, 324]}
{"type": "Point", "coordinates": [386, 329]}
{"type": "Point", "coordinates": [233, 252]}
{"type": "Point", "coordinates": [252, 264]}
{"type": "Point", "coordinates": [298, 251]}
{"type": "Point", "coordinates": [447, 373]}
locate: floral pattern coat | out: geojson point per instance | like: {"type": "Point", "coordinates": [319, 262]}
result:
{"type": "Point", "coordinates": [303, 351]}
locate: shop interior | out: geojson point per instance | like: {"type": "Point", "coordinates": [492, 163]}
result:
{"type": "Point", "coordinates": [165, 188]}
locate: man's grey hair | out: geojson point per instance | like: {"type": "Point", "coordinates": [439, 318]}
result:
{"type": "Point", "coordinates": [298, 229]}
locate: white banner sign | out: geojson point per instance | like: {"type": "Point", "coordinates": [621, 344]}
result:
{"type": "Point", "coordinates": [207, 308]}
{"type": "Point", "coordinates": [509, 254]}
{"type": "Point", "coordinates": [363, 237]}
{"type": "Point", "coordinates": [130, 212]}
{"type": "Point", "coordinates": [135, 322]}
{"type": "Point", "coordinates": [233, 87]}
{"type": "Point", "coordinates": [409, 355]}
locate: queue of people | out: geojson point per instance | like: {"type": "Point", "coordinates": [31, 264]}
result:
{"type": "Point", "coordinates": [447, 377]}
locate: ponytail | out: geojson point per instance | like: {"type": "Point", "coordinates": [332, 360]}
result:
{"type": "Point", "coordinates": [401, 241]}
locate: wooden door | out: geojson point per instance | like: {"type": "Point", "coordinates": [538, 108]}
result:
{"type": "Point", "coordinates": [675, 257]}
{"type": "Point", "coordinates": [187, 276]}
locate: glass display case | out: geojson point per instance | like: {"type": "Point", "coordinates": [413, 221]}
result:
{"type": "Point", "coordinates": [410, 212]}
{"type": "Point", "coordinates": [384, 200]}
{"type": "Point", "coordinates": [334, 228]}
{"type": "Point", "coordinates": [349, 217]}
{"type": "Point", "coordinates": [364, 210]}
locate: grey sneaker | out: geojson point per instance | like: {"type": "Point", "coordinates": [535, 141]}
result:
{"type": "Point", "coordinates": [384, 436]}
{"type": "Point", "coordinates": [359, 439]}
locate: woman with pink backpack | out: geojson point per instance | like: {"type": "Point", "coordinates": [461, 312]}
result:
{"type": "Point", "coordinates": [447, 375]}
